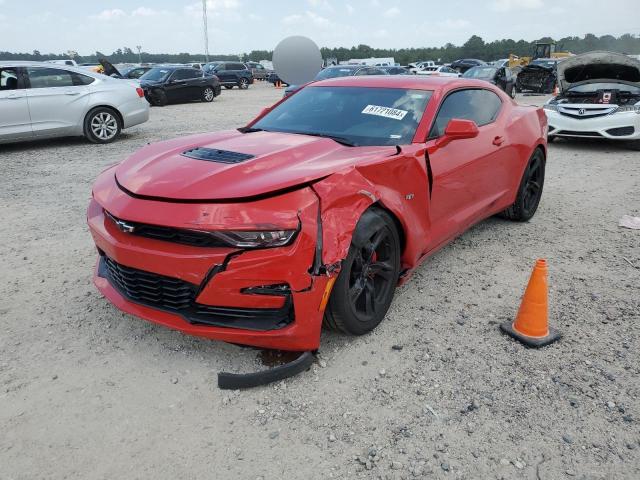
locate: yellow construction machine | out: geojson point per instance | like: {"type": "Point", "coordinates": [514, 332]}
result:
{"type": "Point", "coordinates": [542, 50]}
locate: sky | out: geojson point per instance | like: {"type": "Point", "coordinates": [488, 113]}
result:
{"type": "Point", "coordinates": [236, 26]}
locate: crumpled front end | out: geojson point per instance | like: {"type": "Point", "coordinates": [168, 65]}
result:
{"type": "Point", "coordinates": [157, 262]}
{"type": "Point", "coordinates": [537, 79]}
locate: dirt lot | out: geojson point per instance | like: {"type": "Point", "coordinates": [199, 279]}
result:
{"type": "Point", "coordinates": [90, 393]}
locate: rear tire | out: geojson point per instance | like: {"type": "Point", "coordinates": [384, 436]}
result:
{"type": "Point", "coordinates": [102, 125]}
{"type": "Point", "coordinates": [530, 190]}
{"type": "Point", "coordinates": [228, 87]}
{"type": "Point", "coordinates": [366, 284]}
{"type": "Point", "coordinates": [243, 83]}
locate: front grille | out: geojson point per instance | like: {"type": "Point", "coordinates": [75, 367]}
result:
{"type": "Point", "coordinates": [621, 131]}
{"type": "Point", "coordinates": [150, 288]}
{"type": "Point", "coordinates": [177, 296]}
{"type": "Point", "coordinates": [215, 155]}
{"type": "Point", "coordinates": [585, 112]}
{"type": "Point", "coordinates": [183, 236]}
{"type": "Point", "coordinates": [573, 133]}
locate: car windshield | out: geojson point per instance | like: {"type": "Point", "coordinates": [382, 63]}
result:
{"type": "Point", "coordinates": [334, 72]}
{"type": "Point", "coordinates": [480, 72]}
{"type": "Point", "coordinates": [595, 87]}
{"type": "Point", "coordinates": [156, 74]}
{"type": "Point", "coordinates": [356, 116]}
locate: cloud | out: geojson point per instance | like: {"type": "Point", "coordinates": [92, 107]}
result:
{"type": "Point", "coordinates": [111, 14]}
{"type": "Point", "coordinates": [452, 24]}
{"type": "Point", "coordinates": [144, 12]}
{"type": "Point", "coordinates": [350, 8]}
{"type": "Point", "coordinates": [292, 19]}
{"type": "Point", "coordinates": [510, 5]}
{"type": "Point", "coordinates": [308, 17]}
{"type": "Point", "coordinates": [381, 33]}
{"type": "Point", "coordinates": [391, 12]}
{"type": "Point", "coordinates": [323, 4]}
{"type": "Point", "coordinates": [215, 8]}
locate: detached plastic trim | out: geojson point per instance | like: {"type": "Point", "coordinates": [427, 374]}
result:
{"type": "Point", "coordinates": [236, 381]}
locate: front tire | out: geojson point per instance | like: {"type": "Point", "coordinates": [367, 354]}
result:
{"type": "Point", "coordinates": [228, 87]}
{"type": "Point", "coordinates": [102, 125]}
{"type": "Point", "coordinates": [366, 284]}
{"type": "Point", "coordinates": [530, 190]}
{"type": "Point", "coordinates": [208, 94]}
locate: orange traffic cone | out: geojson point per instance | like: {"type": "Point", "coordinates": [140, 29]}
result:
{"type": "Point", "coordinates": [278, 84]}
{"type": "Point", "coordinates": [531, 325]}
{"type": "Point", "coordinates": [556, 91]}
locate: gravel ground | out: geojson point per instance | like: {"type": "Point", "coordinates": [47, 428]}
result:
{"type": "Point", "coordinates": [435, 392]}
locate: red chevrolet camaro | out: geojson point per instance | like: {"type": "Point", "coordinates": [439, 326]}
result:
{"type": "Point", "coordinates": [315, 211]}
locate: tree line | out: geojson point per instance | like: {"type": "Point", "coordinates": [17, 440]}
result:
{"type": "Point", "coordinates": [475, 47]}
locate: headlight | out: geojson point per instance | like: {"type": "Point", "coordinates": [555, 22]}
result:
{"type": "Point", "coordinates": [550, 106]}
{"type": "Point", "coordinates": [629, 108]}
{"type": "Point", "coordinates": [255, 239]}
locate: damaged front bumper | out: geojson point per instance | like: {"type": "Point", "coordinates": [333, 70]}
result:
{"type": "Point", "coordinates": [270, 298]}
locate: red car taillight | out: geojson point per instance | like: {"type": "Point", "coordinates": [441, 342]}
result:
{"type": "Point", "coordinates": [140, 92]}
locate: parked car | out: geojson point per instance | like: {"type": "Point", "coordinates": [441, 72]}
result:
{"type": "Point", "coordinates": [231, 74]}
{"type": "Point", "coordinates": [395, 70]}
{"type": "Point", "coordinates": [44, 100]}
{"type": "Point", "coordinates": [465, 64]}
{"type": "Point", "coordinates": [418, 66]}
{"type": "Point", "coordinates": [257, 70]}
{"type": "Point", "coordinates": [538, 77]}
{"type": "Point", "coordinates": [134, 72]}
{"type": "Point", "coordinates": [340, 71]}
{"type": "Point", "coordinates": [315, 211]}
{"type": "Point", "coordinates": [68, 62]}
{"type": "Point", "coordinates": [503, 62]}
{"type": "Point", "coordinates": [164, 85]}
{"type": "Point", "coordinates": [599, 97]}
{"type": "Point", "coordinates": [500, 76]}
{"type": "Point", "coordinates": [439, 70]}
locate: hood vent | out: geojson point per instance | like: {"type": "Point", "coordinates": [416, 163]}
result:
{"type": "Point", "coordinates": [215, 155]}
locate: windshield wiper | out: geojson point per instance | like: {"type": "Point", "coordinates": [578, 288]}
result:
{"type": "Point", "coordinates": [340, 140]}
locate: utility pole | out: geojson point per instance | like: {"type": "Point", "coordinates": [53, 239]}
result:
{"type": "Point", "coordinates": [139, 48]}
{"type": "Point", "coordinates": [206, 30]}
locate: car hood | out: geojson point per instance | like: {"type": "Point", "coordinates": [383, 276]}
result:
{"type": "Point", "coordinates": [598, 65]}
{"type": "Point", "coordinates": [279, 161]}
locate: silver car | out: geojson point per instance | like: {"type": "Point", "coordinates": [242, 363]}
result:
{"type": "Point", "coordinates": [43, 100]}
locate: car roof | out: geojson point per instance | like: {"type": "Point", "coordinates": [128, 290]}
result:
{"type": "Point", "coordinates": [413, 82]}
{"type": "Point", "coordinates": [60, 66]}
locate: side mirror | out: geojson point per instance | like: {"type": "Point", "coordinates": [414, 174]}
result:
{"type": "Point", "coordinates": [457, 129]}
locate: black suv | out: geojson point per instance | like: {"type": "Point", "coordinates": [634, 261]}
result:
{"type": "Point", "coordinates": [231, 74]}
{"type": "Point", "coordinates": [170, 84]}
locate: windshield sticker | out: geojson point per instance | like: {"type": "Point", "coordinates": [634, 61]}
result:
{"type": "Point", "coordinates": [386, 112]}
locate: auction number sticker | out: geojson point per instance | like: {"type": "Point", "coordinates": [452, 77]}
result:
{"type": "Point", "coordinates": [386, 112]}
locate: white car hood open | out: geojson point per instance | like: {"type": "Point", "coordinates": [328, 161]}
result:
{"type": "Point", "coordinates": [597, 65]}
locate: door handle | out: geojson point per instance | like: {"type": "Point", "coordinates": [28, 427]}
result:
{"type": "Point", "coordinates": [498, 140]}
{"type": "Point", "coordinates": [71, 93]}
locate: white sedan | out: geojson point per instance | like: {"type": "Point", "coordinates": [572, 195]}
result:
{"type": "Point", "coordinates": [43, 100]}
{"type": "Point", "coordinates": [439, 70]}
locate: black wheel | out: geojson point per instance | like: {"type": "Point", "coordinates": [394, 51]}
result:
{"type": "Point", "coordinates": [228, 87]}
{"type": "Point", "coordinates": [208, 94]}
{"type": "Point", "coordinates": [243, 83]}
{"type": "Point", "coordinates": [364, 289]}
{"type": "Point", "coordinates": [530, 190]}
{"type": "Point", "coordinates": [102, 125]}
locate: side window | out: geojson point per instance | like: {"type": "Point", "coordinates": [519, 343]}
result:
{"type": "Point", "coordinates": [79, 79]}
{"type": "Point", "coordinates": [49, 77]}
{"type": "Point", "coordinates": [184, 74]}
{"type": "Point", "coordinates": [239, 66]}
{"type": "Point", "coordinates": [481, 106]}
{"type": "Point", "coordinates": [8, 79]}
{"type": "Point", "coordinates": [221, 67]}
